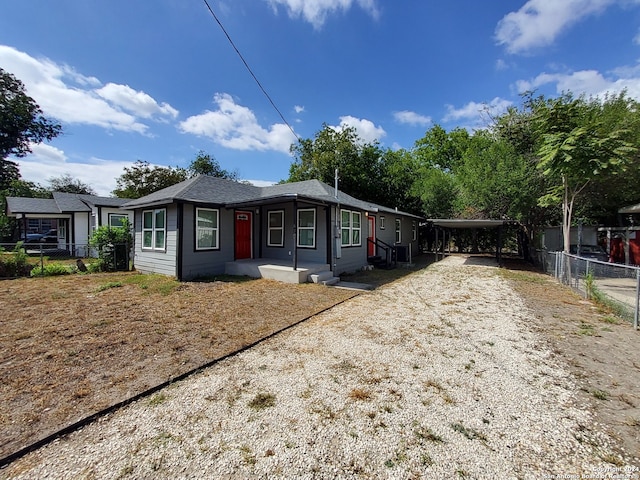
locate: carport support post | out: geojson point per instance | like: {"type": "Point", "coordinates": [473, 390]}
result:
{"type": "Point", "coordinates": [435, 250]}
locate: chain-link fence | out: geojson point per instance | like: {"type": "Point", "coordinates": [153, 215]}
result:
{"type": "Point", "coordinates": [41, 259]}
{"type": "Point", "coordinates": [614, 285]}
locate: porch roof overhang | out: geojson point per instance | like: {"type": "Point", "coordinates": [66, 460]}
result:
{"type": "Point", "coordinates": [40, 215]}
{"type": "Point", "coordinates": [630, 209]}
{"type": "Point", "coordinates": [466, 224]}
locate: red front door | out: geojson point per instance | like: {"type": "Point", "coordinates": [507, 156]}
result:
{"type": "Point", "coordinates": [243, 235]}
{"type": "Point", "coordinates": [371, 247]}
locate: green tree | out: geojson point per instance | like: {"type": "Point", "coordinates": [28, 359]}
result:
{"type": "Point", "coordinates": [359, 163]}
{"type": "Point", "coordinates": [142, 179]}
{"type": "Point", "coordinates": [205, 164]}
{"type": "Point", "coordinates": [437, 156]}
{"type": "Point", "coordinates": [21, 124]}
{"type": "Point", "coordinates": [577, 148]}
{"type": "Point", "coordinates": [67, 183]}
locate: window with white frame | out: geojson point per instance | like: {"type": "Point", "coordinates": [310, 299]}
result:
{"type": "Point", "coordinates": [381, 222]}
{"type": "Point", "coordinates": [398, 230]}
{"type": "Point", "coordinates": [275, 236]}
{"type": "Point", "coordinates": [207, 229]}
{"type": "Point", "coordinates": [307, 228]}
{"type": "Point", "coordinates": [350, 228]}
{"type": "Point", "coordinates": [414, 231]}
{"type": "Point", "coordinates": [117, 219]}
{"type": "Point", "coordinates": [154, 229]}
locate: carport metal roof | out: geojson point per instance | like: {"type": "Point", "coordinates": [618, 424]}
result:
{"type": "Point", "coordinates": [464, 223]}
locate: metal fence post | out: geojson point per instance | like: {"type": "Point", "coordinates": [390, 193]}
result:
{"type": "Point", "coordinates": [41, 262]}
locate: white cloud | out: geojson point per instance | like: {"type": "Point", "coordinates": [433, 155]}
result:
{"type": "Point", "coordinates": [477, 115]}
{"type": "Point", "coordinates": [316, 11]}
{"type": "Point", "coordinates": [365, 129]}
{"type": "Point", "coordinates": [539, 22]}
{"type": "Point", "coordinates": [47, 161]}
{"type": "Point", "coordinates": [298, 108]}
{"type": "Point", "coordinates": [138, 103]}
{"type": "Point", "coordinates": [411, 118]}
{"type": "Point", "coordinates": [71, 97]}
{"type": "Point", "coordinates": [235, 126]}
{"type": "Point", "coordinates": [588, 82]}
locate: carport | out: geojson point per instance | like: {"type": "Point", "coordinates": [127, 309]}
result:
{"type": "Point", "coordinates": [444, 227]}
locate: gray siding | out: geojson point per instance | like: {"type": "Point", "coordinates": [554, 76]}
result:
{"type": "Point", "coordinates": [318, 254]}
{"type": "Point", "coordinates": [388, 233]}
{"type": "Point", "coordinates": [197, 263]}
{"type": "Point", "coordinates": [154, 261]}
{"type": "Point", "coordinates": [351, 258]}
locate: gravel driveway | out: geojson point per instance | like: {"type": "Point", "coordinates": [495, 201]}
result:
{"type": "Point", "coordinates": [437, 375]}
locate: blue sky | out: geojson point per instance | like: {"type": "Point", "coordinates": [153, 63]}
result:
{"type": "Point", "coordinates": [157, 80]}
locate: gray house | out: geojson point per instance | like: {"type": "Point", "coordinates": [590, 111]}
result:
{"type": "Point", "coordinates": [72, 216]}
{"type": "Point", "coordinates": [293, 232]}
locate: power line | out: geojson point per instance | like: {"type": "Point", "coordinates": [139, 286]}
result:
{"type": "Point", "coordinates": [251, 71]}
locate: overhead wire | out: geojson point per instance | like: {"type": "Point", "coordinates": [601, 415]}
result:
{"type": "Point", "coordinates": [251, 71]}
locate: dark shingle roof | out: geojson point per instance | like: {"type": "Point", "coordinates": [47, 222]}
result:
{"type": "Point", "coordinates": [212, 190]}
{"type": "Point", "coordinates": [31, 205]}
{"type": "Point", "coordinates": [200, 189]}
{"type": "Point", "coordinates": [61, 203]}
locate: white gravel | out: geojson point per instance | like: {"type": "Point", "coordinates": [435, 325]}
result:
{"type": "Point", "coordinates": [434, 376]}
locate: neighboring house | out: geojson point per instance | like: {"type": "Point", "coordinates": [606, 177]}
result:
{"type": "Point", "coordinates": [73, 216]}
{"type": "Point", "coordinates": [209, 226]}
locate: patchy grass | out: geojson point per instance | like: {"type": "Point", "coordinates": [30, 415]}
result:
{"type": "Point", "coordinates": [75, 344]}
{"type": "Point", "coordinates": [262, 401]}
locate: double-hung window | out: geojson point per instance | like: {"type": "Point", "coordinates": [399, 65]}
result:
{"type": "Point", "coordinates": [276, 229]}
{"type": "Point", "coordinates": [307, 228]}
{"type": "Point", "coordinates": [398, 230]}
{"type": "Point", "coordinates": [154, 229]}
{"type": "Point", "coordinates": [207, 229]}
{"type": "Point", "coordinates": [414, 231]}
{"type": "Point", "coordinates": [350, 228]}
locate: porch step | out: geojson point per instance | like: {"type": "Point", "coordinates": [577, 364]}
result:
{"type": "Point", "coordinates": [322, 277]}
{"type": "Point", "coordinates": [331, 281]}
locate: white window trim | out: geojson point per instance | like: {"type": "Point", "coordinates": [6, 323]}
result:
{"type": "Point", "coordinates": [350, 229]}
{"type": "Point", "coordinates": [270, 228]}
{"type": "Point", "coordinates": [215, 230]}
{"type": "Point", "coordinates": [154, 229]}
{"type": "Point", "coordinates": [398, 230]}
{"type": "Point", "coordinates": [123, 215]}
{"type": "Point", "coordinates": [414, 231]}
{"type": "Point", "coordinates": [299, 228]}
{"type": "Point", "coordinates": [381, 222]}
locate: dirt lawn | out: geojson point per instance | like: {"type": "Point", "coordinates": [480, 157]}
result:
{"type": "Point", "coordinates": [601, 351]}
{"type": "Point", "coordinates": [72, 346]}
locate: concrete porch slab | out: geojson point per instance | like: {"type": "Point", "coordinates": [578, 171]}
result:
{"type": "Point", "coordinates": [274, 269]}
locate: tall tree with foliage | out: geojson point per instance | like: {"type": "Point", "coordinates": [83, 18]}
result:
{"type": "Point", "coordinates": [577, 147]}
{"type": "Point", "coordinates": [142, 179]}
{"type": "Point", "coordinates": [67, 183]}
{"type": "Point", "coordinates": [21, 124]}
{"type": "Point", "coordinates": [206, 164]}
{"type": "Point", "coordinates": [437, 155]}
{"type": "Point", "coordinates": [359, 163]}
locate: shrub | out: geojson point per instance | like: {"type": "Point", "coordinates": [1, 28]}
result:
{"type": "Point", "coordinates": [15, 264]}
{"type": "Point", "coordinates": [113, 245]}
{"type": "Point", "coordinates": [51, 270]}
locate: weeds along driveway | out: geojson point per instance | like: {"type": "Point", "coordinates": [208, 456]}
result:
{"type": "Point", "coordinates": [437, 375]}
{"type": "Point", "coordinates": [71, 346]}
